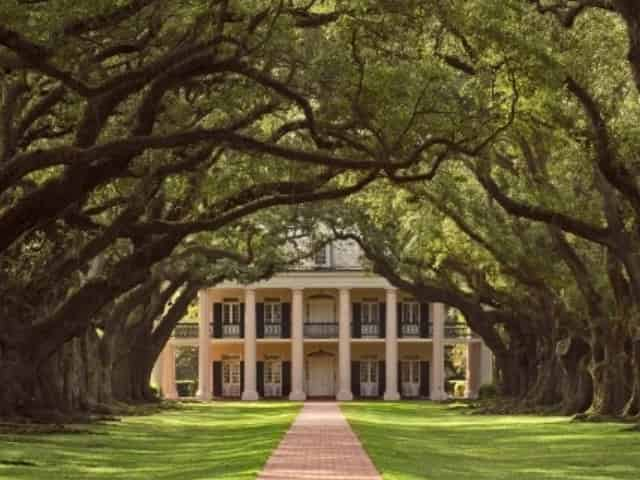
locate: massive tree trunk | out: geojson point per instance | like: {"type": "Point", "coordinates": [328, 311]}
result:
{"type": "Point", "coordinates": [577, 388]}
{"type": "Point", "coordinates": [17, 377]}
{"type": "Point", "coordinates": [608, 366]}
{"type": "Point", "coordinates": [545, 391]}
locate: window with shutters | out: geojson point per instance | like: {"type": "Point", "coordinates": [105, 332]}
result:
{"type": "Point", "coordinates": [410, 319]}
{"type": "Point", "coordinates": [369, 319]}
{"type": "Point", "coordinates": [369, 378]}
{"type": "Point", "coordinates": [231, 372]}
{"type": "Point", "coordinates": [411, 313]}
{"type": "Point", "coordinates": [410, 372]}
{"type": "Point", "coordinates": [272, 372]}
{"type": "Point", "coordinates": [272, 313]}
{"type": "Point", "coordinates": [370, 313]}
{"type": "Point", "coordinates": [231, 313]}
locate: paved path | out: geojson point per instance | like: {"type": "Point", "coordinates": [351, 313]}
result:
{"type": "Point", "coordinates": [320, 445]}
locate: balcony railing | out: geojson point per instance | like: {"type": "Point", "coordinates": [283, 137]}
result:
{"type": "Point", "coordinates": [186, 330]}
{"type": "Point", "coordinates": [369, 330]}
{"type": "Point", "coordinates": [231, 331]}
{"type": "Point", "coordinates": [410, 330]}
{"type": "Point", "coordinates": [273, 330]}
{"type": "Point", "coordinates": [321, 330]}
{"type": "Point", "coordinates": [456, 331]}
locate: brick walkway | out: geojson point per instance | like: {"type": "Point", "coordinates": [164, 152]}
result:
{"type": "Point", "coordinates": [320, 445]}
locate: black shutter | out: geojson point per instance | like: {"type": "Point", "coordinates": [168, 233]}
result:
{"type": "Point", "coordinates": [355, 379]}
{"type": "Point", "coordinates": [286, 379]}
{"type": "Point", "coordinates": [382, 329]}
{"type": "Point", "coordinates": [241, 378]}
{"type": "Point", "coordinates": [217, 320]}
{"type": "Point", "coordinates": [356, 323]}
{"type": "Point", "coordinates": [399, 317]}
{"type": "Point", "coordinates": [217, 379]}
{"type": "Point", "coordinates": [400, 377]}
{"type": "Point", "coordinates": [260, 320]}
{"type": "Point", "coordinates": [242, 320]}
{"type": "Point", "coordinates": [286, 320]}
{"type": "Point", "coordinates": [260, 378]}
{"type": "Point", "coordinates": [424, 379]}
{"type": "Point", "coordinates": [424, 320]}
{"type": "Point", "coordinates": [382, 377]}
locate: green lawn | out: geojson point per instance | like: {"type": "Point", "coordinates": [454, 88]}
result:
{"type": "Point", "coordinates": [201, 441]}
{"type": "Point", "coordinates": [411, 441]}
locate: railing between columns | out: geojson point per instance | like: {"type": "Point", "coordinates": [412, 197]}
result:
{"type": "Point", "coordinates": [321, 330]}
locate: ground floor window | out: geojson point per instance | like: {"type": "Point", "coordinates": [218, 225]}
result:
{"type": "Point", "coordinates": [369, 378]}
{"type": "Point", "coordinates": [410, 377]}
{"type": "Point", "coordinates": [273, 378]}
{"type": "Point", "coordinates": [231, 378]}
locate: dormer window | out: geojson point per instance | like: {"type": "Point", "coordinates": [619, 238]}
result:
{"type": "Point", "coordinates": [322, 257]}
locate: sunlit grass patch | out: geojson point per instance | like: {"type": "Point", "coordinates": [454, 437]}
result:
{"type": "Point", "coordinates": [423, 440]}
{"type": "Point", "coordinates": [221, 440]}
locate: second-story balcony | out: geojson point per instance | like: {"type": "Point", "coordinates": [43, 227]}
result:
{"type": "Point", "coordinates": [321, 330]}
{"type": "Point", "coordinates": [370, 330]}
{"type": "Point", "coordinates": [410, 330]}
{"type": "Point", "coordinates": [231, 330]}
{"type": "Point", "coordinates": [186, 330]}
{"type": "Point", "coordinates": [273, 330]}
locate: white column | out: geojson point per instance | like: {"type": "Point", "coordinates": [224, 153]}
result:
{"type": "Point", "coordinates": [391, 346]}
{"type": "Point", "coordinates": [437, 360]}
{"type": "Point", "coordinates": [344, 347]}
{"type": "Point", "coordinates": [204, 347]}
{"type": "Point", "coordinates": [473, 368]}
{"type": "Point", "coordinates": [486, 365]}
{"type": "Point", "coordinates": [169, 371]}
{"type": "Point", "coordinates": [297, 346]}
{"type": "Point", "coordinates": [250, 393]}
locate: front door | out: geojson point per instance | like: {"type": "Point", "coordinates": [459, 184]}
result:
{"type": "Point", "coordinates": [321, 376]}
{"type": "Point", "coordinates": [369, 378]}
{"type": "Point", "coordinates": [273, 378]}
{"type": "Point", "coordinates": [410, 378]}
{"type": "Point", "coordinates": [231, 378]}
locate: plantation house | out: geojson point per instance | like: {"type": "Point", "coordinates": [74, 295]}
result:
{"type": "Point", "coordinates": [325, 329]}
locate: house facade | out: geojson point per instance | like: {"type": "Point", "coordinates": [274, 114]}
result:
{"type": "Point", "coordinates": [328, 329]}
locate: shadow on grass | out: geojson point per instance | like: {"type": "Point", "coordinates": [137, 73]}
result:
{"type": "Point", "coordinates": [421, 440]}
{"type": "Point", "coordinates": [216, 440]}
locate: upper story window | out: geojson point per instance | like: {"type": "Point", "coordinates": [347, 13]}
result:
{"type": "Point", "coordinates": [231, 313]}
{"type": "Point", "coordinates": [411, 313]}
{"type": "Point", "coordinates": [272, 312]}
{"type": "Point", "coordinates": [370, 312]}
{"type": "Point", "coordinates": [322, 257]}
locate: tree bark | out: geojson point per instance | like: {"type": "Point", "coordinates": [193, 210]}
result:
{"type": "Point", "coordinates": [632, 407]}
{"type": "Point", "coordinates": [608, 366]}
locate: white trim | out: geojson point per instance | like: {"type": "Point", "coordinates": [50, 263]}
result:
{"type": "Point", "coordinates": [302, 280]}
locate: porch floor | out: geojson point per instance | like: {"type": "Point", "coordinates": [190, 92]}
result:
{"type": "Point", "coordinates": [320, 445]}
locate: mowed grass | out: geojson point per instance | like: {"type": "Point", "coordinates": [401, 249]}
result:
{"type": "Point", "coordinates": [421, 440]}
{"type": "Point", "coordinates": [229, 440]}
